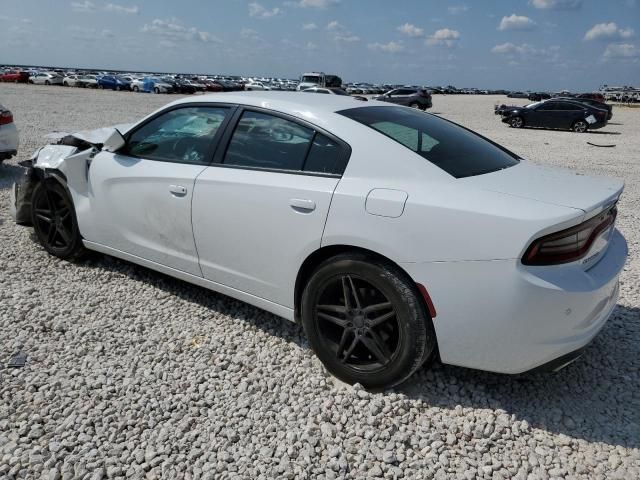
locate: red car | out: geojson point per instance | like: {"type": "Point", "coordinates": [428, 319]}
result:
{"type": "Point", "coordinates": [15, 76]}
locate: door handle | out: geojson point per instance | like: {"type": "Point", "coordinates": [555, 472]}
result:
{"type": "Point", "coordinates": [178, 190]}
{"type": "Point", "coordinates": [302, 205]}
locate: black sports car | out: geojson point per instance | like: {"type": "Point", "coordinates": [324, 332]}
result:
{"type": "Point", "coordinates": [564, 114]}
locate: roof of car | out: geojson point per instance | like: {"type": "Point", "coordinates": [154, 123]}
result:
{"type": "Point", "coordinates": [293, 103]}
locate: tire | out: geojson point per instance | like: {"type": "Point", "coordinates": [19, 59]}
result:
{"type": "Point", "coordinates": [415, 105]}
{"type": "Point", "coordinates": [47, 82]}
{"type": "Point", "coordinates": [135, 88]}
{"type": "Point", "coordinates": [54, 221]}
{"type": "Point", "coordinates": [100, 87]}
{"type": "Point", "coordinates": [516, 122]}
{"type": "Point", "coordinates": [580, 126]}
{"type": "Point", "coordinates": [156, 90]}
{"type": "Point", "coordinates": [343, 335]}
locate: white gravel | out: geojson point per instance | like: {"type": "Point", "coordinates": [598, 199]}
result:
{"type": "Point", "coordinates": [132, 374]}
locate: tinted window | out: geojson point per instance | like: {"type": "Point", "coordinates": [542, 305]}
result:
{"type": "Point", "coordinates": [264, 141]}
{"type": "Point", "coordinates": [454, 149]}
{"type": "Point", "coordinates": [568, 106]}
{"type": "Point", "coordinates": [547, 106]}
{"type": "Point", "coordinates": [325, 156]}
{"type": "Point", "coordinates": [183, 135]}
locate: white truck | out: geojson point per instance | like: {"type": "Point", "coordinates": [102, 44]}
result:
{"type": "Point", "coordinates": [319, 79]}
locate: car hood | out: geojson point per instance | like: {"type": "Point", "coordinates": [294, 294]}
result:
{"type": "Point", "coordinates": [550, 185]}
{"type": "Point", "coordinates": [94, 137]}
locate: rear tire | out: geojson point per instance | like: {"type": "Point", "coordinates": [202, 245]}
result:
{"type": "Point", "coordinates": [54, 221]}
{"type": "Point", "coordinates": [580, 126]}
{"type": "Point", "coordinates": [366, 322]}
{"type": "Point", "coordinates": [516, 122]}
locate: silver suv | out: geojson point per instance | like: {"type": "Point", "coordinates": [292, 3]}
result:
{"type": "Point", "coordinates": [409, 97]}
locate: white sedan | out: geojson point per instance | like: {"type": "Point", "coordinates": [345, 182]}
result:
{"type": "Point", "coordinates": [46, 78]}
{"type": "Point", "coordinates": [9, 139]}
{"type": "Point", "coordinates": [256, 86]}
{"type": "Point", "coordinates": [394, 237]}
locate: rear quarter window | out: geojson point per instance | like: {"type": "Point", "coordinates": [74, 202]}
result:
{"type": "Point", "coordinates": [456, 150]}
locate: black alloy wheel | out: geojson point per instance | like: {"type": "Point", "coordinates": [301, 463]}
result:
{"type": "Point", "coordinates": [516, 122]}
{"type": "Point", "coordinates": [365, 321]}
{"type": "Point", "coordinates": [54, 220]}
{"type": "Point", "coordinates": [580, 126]}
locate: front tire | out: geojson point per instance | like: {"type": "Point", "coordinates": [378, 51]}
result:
{"type": "Point", "coordinates": [135, 88]}
{"type": "Point", "coordinates": [580, 126]}
{"type": "Point", "coordinates": [54, 221]}
{"type": "Point", "coordinates": [516, 122]}
{"type": "Point", "coordinates": [156, 90]}
{"type": "Point", "coordinates": [365, 321]}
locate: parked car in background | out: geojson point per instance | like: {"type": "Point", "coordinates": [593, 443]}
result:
{"type": "Point", "coordinates": [592, 96]}
{"type": "Point", "coordinates": [256, 86]}
{"type": "Point", "coordinates": [383, 225]}
{"type": "Point", "coordinates": [71, 80]}
{"type": "Point", "coordinates": [409, 97]}
{"type": "Point", "coordinates": [137, 84]}
{"type": "Point", "coordinates": [517, 95]}
{"type": "Point", "coordinates": [112, 82]}
{"type": "Point", "coordinates": [333, 91]}
{"type": "Point", "coordinates": [9, 139]}
{"type": "Point", "coordinates": [537, 96]}
{"type": "Point", "coordinates": [562, 114]}
{"type": "Point", "coordinates": [156, 85]}
{"type": "Point", "coordinates": [87, 81]}
{"type": "Point", "coordinates": [14, 76]}
{"type": "Point", "coordinates": [46, 78]}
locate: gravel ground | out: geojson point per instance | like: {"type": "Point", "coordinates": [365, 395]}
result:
{"type": "Point", "coordinates": [132, 374]}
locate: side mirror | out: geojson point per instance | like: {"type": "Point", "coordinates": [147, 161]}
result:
{"type": "Point", "coordinates": [115, 141]}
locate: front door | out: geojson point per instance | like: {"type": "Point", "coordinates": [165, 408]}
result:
{"type": "Point", "coordinates": [141, 196]}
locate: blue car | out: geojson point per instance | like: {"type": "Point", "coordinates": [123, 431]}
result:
{"type": "Point", "coordinates": [113, 83]}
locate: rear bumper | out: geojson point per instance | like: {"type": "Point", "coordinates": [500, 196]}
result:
{"type": "Point", "coordinates": [505, 317]}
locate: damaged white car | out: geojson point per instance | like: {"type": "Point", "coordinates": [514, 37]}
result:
{"type": "Point", "coordinates": [392, 235]}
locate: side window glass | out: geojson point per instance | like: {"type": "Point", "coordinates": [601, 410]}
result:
{"type": "Point", "coordinates": [325, 156]}
{"type": "Point", "coordinates": [265, 141]}
{"type": "Point", "coordinates": [183, 135]}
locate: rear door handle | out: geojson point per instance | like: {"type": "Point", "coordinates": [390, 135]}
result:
{"type": "Point", "coordinates": [302, 205]}
{"type": "Point", "coordinates": [178, 190]}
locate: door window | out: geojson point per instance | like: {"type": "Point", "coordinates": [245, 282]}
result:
{"type": "Point", "coordinates": [325, 156]}
{"type": "Point", "coordinates": [265, 141]}
{"type": "Point", "coordinates": [182, 135]}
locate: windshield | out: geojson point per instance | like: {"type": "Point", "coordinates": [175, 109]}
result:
{"type": "Point", "coordinates": [311, 79]}
{"type": "Point", "coordinates": [456, 150]}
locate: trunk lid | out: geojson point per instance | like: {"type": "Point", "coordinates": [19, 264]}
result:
{"type": "Point", "coordinates": [551, 185]}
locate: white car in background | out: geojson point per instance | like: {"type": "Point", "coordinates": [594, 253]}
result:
{"type": "Point", "coordinates": [393, 236]}
{"type": "Point", "coordinates": [46, 78]}
{"type": "Point", "coordinates": [9, 139]}
{"type": "Point", "coordinates": [256, 86]}
{"type": "Point", "coordinates": [71, 80]}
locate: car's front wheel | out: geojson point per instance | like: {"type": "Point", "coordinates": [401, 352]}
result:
{"type": "Point", "coordinates": [54, 220]}
{"type": "Point", "coordinates": [365, 321]}
{"type": "Point", "coordinates": [516, 122]}
{"type": "Point", "coordinates": [580, 126]}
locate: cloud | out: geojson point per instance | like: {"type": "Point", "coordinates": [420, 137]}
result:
{"type": "Point", "coordinates": [315, 3]}
{"type": "Point", "coordinates": [85, 6]}
{"type": "Point", "coordinates": [516, 22]}
{"type": "Point", "coordinates": [340, 33]}
{"type": "Point", "coordinates": [391, 47]}
{"type": "Point", "coordinates": [608, 31]}
{"type": "Point", "coordinates": [88, 34]}
{"type": "Point", "coordinates": [172, 29]}
{"type": "Point", "coordinates": [444, 37]}
{"type": "Point", "coordinates": [249, 34]}
{"type": "Point", "coordinates": [129, 10]}
{"type": "Point", "coordinates": [311, 46]}
{"type": "Point", "coordinates": [411, 30]}
{"type": "Point", "coordinates": [514, 52]}
{"type": "Point", "coordinates": [257, 10]}
{"type": "Point", "coordinates": [621, 50]}
{"type": "Point", "coordinates": [310, 26]}
{"type": "Point", "coordinates": [457, 9]}
{"type": "Point", "coordinates": [334, 25]}
{"type": "Point", "coordinates": [556, 4]}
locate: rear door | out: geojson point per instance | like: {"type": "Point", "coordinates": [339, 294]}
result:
{"type": "Point", "coordinates": [568, 113]}
{"type": "Point", "coordinates": [260, 209]}
{"type": "Point", "coordinates": [141, 195]}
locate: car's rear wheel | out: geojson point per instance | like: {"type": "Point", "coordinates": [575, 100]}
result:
{"type": "Point", "coordinates": [54, 221]}
{"type": "Point", "coordinates": [365, 321]}
{"type": "Point", "coordinates": [580, 126]}
{"type": "Point", "coordinates": [516, 122]}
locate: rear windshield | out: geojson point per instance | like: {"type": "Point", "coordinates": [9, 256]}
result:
{"type": "Point", "coordinates": [456, 150]}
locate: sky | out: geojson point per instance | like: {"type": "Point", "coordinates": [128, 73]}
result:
{"type": "Point", "coordinates": [512, 44]}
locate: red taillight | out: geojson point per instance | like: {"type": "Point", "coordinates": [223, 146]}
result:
{"type": "Point", "coordinates": [6, 117]}
{"type": "Point", "coordinates": [568, 245]}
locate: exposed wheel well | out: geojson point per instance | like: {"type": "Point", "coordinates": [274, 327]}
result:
{"type": "Point", "coordinates": [322, 254]}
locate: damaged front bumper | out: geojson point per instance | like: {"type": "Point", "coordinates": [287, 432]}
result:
{"type": "Point", "coordinates": [20, 202]}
